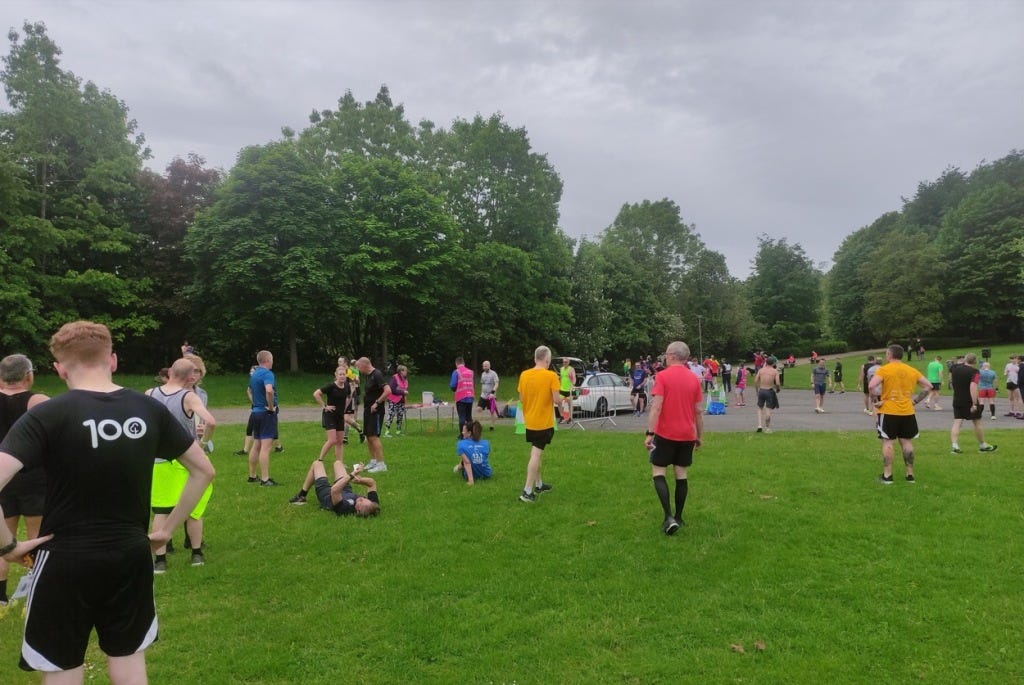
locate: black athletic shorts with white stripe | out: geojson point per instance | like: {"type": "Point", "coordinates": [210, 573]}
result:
{"type": "Point", "coordinates": [896, 427]}
{"type": "Point", "coordinates": [108, 588]}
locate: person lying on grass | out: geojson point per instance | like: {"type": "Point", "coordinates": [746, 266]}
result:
{"type": "Point", "coordinates": [473, 453]}
{"type": "Point", "coordinates": [339, 496]}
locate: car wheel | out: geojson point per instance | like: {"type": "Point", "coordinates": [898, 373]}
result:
{"type": "Point", "coordinates": [602, 407]}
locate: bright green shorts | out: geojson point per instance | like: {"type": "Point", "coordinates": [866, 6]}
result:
{"type": "Point", "coordinates": [168, 481]}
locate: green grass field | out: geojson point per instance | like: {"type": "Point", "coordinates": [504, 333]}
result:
{"type": "Point", "coordinates": [790, 542]}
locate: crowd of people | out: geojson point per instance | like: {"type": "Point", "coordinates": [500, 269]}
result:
{"type": "Point", "coordinates": [79, 499]}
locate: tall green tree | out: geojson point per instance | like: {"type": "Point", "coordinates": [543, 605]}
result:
{"type": "Point", "coordinates": [376, 129]}
{"type": "Point", "coordinates": [265, 259]}
{"type": "Point", "coordinates": [647, 250]}
{"type": "Point", "coordinates": [591, 335]}
{"type": "Point", "coordinates": [655, 239]}
{"type": "Point", "coordinates": [1008, 170]}
{"type": "Point", "coordinates": [784, 291]}
{"type": "Point", "coordinates": [393, 239]}
{"type": "Point", "coordinates": [903, 299]}
{"type": "Point", "coordinates": [77, 154]}
{"type": "Point", "coordinates": [849, 284]}
{"type": "Point", "coordinates": [981, 266]}
{"type": "Point", "coordinates": [167, 206]}
{"type": "Point", "coordinates": [22, 324]}
{"type": "Point", "coordinates": [934, 199]}
{"type": "Point", "coordinates": [498, 190]}
{"type": "Point", "coordinates": [707, 290]}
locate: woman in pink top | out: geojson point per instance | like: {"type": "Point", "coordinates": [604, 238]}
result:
{"type": "Point", "coordinates": [399, 386]}
{"type": "Point", "coordinates": [740, 385]}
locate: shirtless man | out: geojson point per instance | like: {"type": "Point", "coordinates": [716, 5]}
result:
{"type": "Point", "coordinates": [767, 385]}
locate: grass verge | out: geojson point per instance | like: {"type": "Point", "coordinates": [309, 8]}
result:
{"type": "Point", "coordinates": [789, 542]}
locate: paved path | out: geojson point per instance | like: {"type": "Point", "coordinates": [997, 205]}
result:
{"type": "Point", "coordinates": [844, 412]}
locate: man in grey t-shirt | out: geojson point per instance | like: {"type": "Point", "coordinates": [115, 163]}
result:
{"type": "Point", "coordinates": [819, 379]}
{"type": "Point", "coordinates": [488, 392]}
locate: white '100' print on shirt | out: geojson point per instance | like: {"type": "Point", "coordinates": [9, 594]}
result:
{"type": "Point", "coordinates": [108, 429]}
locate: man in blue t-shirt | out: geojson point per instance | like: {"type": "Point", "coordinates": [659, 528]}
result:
{"type": "Point", "coordinates": [263, 389]}
{"type": "Point", "coordinates": [638, 395]}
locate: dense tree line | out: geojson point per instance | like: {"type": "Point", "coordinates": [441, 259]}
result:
{"type": "Point", "coordinates": [365, 234]}
{"type": "Point", "coordinates": [949, 265]}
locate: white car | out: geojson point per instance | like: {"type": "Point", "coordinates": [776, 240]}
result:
{"type": "Point", "coordinates": [601, 394]}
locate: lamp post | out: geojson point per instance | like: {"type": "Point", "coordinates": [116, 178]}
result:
{"type": "Point", "coordinates": [700, 338]}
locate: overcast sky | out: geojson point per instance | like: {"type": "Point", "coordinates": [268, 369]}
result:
{"type": "Point", "coordinates": [798, 120]}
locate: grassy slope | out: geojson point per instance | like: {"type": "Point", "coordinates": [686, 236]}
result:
{"type": "Point", "coordinates": [789, 541]}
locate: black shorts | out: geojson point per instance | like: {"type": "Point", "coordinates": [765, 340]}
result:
{"type": "Point", "coordinates": [565, 393]}
{"type": "Point", "coordinates": [108, 588]}
{"type": "Point", "coordinates": [266, 425]}
{"type": "Point", "coordinates": [936, 386]}
{"type": "Point", "coordinates": [250, 427]}
{"type": "Point", "coordinates": [372, 420]}
{"type": "Point", "coordinates": [767, 398]}
{"type": "Point", "coordinates": [672, 452]}
{"type": "Point", "coordinates": [972, 413]}
{"type": "Point", "coordinates": [484, 403]}
{"type": "Point", "coordinates": [25, 494]}
{"type": "Point", "coordinates": [894, 427]}
{"type": "Point", "coordinates": [640, 392]}
{"type": "Point", "coordinates": [540, 439]}
{"type": "Point", "coordinates": [322, 487]}
{"type": "Point", "coordinates": [332, 420]}
{"type": "Point", "coordinates": [1011, 386]}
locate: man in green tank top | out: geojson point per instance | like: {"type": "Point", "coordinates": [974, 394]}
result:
{"type": "Point", "coordinates": [566, 382]}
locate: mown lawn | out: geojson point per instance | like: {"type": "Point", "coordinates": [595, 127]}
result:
{"type": "Point", "coordinates": [790, 544]}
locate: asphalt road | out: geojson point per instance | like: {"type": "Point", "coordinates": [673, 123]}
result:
{"type": "Point", "coordinates": [843, 412]}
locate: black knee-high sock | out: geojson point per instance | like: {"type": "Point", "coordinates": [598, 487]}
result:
{"type": "Point", "coordinates": [993, 408]}
{"type": "Point", "coordinates": [682, 488]}
{"type": "Point", "coordinates": [3, 590]}
{"type": "Point", "coordinates": [661, 487]}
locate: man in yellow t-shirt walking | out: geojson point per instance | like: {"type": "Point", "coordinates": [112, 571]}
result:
{"type": "Point", "coordinates": [895, 415]}
{"type": "Point", "coordinates": [538, 399]}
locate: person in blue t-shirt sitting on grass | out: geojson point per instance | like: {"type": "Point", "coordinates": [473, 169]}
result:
{"type": "Point", "coordinates": [473, 453]}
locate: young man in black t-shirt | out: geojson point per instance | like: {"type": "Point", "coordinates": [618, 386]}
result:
{"type": "Point", "coordinates": [966, 404]}
{"type": "Point", "coordinates": [25, 496]}
{"type": "Point", "coordinates": [93, 568]}
{"type": "Point", "coordinates": [339, 496]}
{"type": "Point", "coordinates": [376, 389]}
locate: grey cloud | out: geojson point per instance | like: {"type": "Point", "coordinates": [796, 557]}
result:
{"type": "Point", "coordinates": [802, 120]}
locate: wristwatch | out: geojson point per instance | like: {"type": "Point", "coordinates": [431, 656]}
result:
{"type": "Point", "coordinates": [6, 549]}
{"type": "Point", "coordinates": [649, 433]}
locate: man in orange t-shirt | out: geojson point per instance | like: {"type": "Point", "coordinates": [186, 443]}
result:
{"type": "Point", "coordinates": [895, 415]}
{"type": "Point", "coordinates": [538, 398]}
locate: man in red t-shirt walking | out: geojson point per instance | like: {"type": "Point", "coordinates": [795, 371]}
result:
{"type": "Point", "coordinates": [675, 424]}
